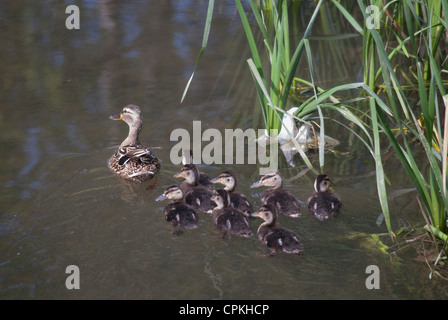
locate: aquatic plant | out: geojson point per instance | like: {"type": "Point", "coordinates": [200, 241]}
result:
{"type": "Point", "coordinates": [411, 119]}
{"type": "Point", "coordinates": [391, 110]}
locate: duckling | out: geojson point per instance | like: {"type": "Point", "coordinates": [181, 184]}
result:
{"type": "Point", "coordinates": [237, 200]}
{"type": "Point", "coordinates": [324, 203]}
{"type": "Point", "coordinates": [281, 199]}
{"type": "Point", "coordinates": [229, 219]}
{"type": "Point", "coordinates": [276, 238]}
{"type": "Point", "coordinates": [177, 212]}
{"type": "Point", "coordinates": [204, 179]}
{"type": "Point", "coordinates": [132, 161]}
{"type": "Point", "coordinates": [194, 194]}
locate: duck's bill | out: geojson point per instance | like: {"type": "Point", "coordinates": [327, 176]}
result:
{"type": "Point", "coordinates": [255, 214]}
{"type": "Point", "coordinates": [161, 197]}
{"type": "Point", "coordinates": [257, 184]}
{"type": "Point", "coordinates": [215, 180]}
{"type": "Point", "coordinates": [178, 175]}
{"type": "Point", "coordinates": [116, 117]}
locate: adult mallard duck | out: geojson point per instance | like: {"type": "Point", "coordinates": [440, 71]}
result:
{"type": "Point", "coordinates": [194, 194]}
{"type": "Point", "coordinates": [284, 202]}
{"type": "Point", "coordinates": [229, 219]}
{"type": "Point", "coordinates": [132, 161]}
{"type": "Point", "coordinates": [177, 212]}
{"type": "Point", "coordinates": [237, 200]}
{"type": "Point", "coordinates": [274, 237]}
{"type": "Point", "coordinates": [324, 203]}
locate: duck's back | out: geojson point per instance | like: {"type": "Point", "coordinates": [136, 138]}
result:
{"type": "Point", "coordinates": [233, 221]}
{"type": "Point", "coordinates": [240, 202]}
{"type": "Point", "coordinates": [282, 239]}
{"type": "Point", "coordinates": [200, 198]}
{"type": "Point", "coordinates": [133, 168]}
{"type": "Point", "coordinates": [285, 202]}
{"type": "Point", "coordinates": [181, 214]}
{"type": "Point", "coordinates": [324, 205]}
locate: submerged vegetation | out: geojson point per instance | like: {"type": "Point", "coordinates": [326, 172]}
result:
{"type": "Point", "coordinates": [399, 102]}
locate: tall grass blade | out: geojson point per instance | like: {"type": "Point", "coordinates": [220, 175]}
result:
{"type": "Point", "coordinates": [296, 57]}
{"type": "Point", "coordinates": [444, 149]}
{"type": "Point", "coordinates": [380, 181]}
{"type": "Point", "coordinates": [208, 22]}
{"type": "Point", "coordinates": [319, 110]}
{"type": "Point", "coordinates": [255, 58]}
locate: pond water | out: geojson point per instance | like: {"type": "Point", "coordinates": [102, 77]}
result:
{"type": "Point", "coordinates": [61, 206]}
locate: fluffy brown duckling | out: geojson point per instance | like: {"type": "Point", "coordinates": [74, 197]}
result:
{"type": "Point", "coordinates": [237, 200]}
{"type": "Point", "coordinates": [194, 194]}
{"type": "Point", "coordinates": [177, 212]}
{"type": "Point", "coordinates": [203, 179]}
{"type": "Point", "coordinates": [274, 237]}
{"type": "Point", "coordinates": [229, 219]}
{"type": "Point", "coordinates": [324, 203]}
{"type": "Point", "coordinates": [284, 201]}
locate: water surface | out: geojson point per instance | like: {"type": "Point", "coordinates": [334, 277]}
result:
{"type": "Point", "coordinates": [61, 206]}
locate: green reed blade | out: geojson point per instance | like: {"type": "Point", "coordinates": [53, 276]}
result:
{"type": "Point", "coordinates": [208, 22]}
{"type": "Point", "coordinates": [256, 61]}
{"type": "Point", "coordinates": [261, 25]}
{"type": "Point", "coordinates": [295, 59]}
{"type": "Point", "coordinates": [319, 110]}
{"type": "Point", "coordinates": [380, 180]}
{"type": "Point", "coordinates": [348, 16]}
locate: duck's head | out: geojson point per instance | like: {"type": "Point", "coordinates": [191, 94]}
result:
{"type": "Point", "coordinates": [228, 179]}
{"type": "Point", "coordinates": [189, 173]}
{"type": "Point", "coordinates": [173, 192]}
{"type": "Point", "coordinates": [322, 183]}
{"type": "Point", "coordinates": [267, 212]}
{"type": "Point", "coordinates": [130, 114]}
{"type": "Point", "coordinates": [221, 198]}
{"type": "Point", "coordinates": [271, 179]}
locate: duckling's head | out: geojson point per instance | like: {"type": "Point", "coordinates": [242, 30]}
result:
{"type": "Point", "coordinates": [271, 179]}
{"type": "Point", "coordinates": [267, 212]}
{"type": "Point", "coordinates": [189, 173]}
{"type": "Point", "coordinates": [187, 157]}
{"type": "Point", "coordinates": [322, 183]}
{"type": "Point", "coordinates": [221, 198]}
{"type": "Point", "coordinates": [130, 114]}
{"type": "Point", "coordinates": [173, 192]}
{"type": "Point", "coordinates": [228, 179]}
